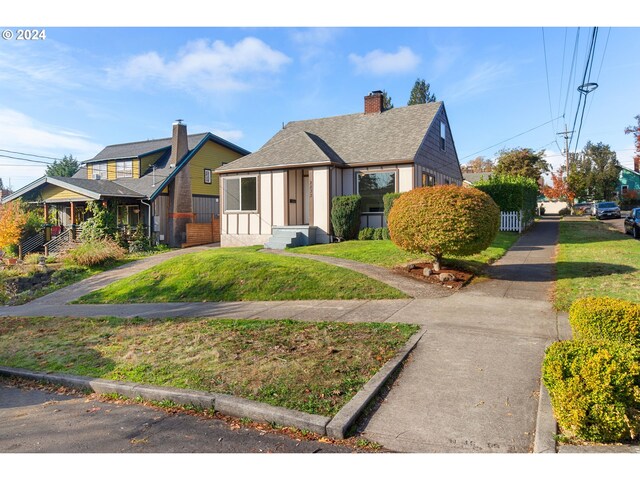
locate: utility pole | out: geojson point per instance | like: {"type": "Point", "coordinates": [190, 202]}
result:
{"type": "Point", "coordinates": [566, 146]}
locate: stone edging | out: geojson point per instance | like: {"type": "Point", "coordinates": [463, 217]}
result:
{"type": "Point", "coordinates": [231, 405]}
{"type": "Point", "coordinates": [546, 425]}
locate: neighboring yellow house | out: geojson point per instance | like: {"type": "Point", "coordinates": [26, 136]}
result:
{"type": "Point", "coordinates": [159, 184]}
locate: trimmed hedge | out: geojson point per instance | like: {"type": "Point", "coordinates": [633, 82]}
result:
{"type": "Point", "coordinates": [594, 389]}
{"type": "Point", "coordinates": [605, 319]}
{"type": "Point", "coordinates": [369, 233]}
{"type": "Point", "coordinates": [512, 193]}
{"type": "Point", "coordinates": [388, 199]}
{"type": "Point", "coordinates": [444, 219]}
{"type": "Point", "coordinates": [345, 216]}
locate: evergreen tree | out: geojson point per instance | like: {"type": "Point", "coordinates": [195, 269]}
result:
{"type": "Point", "coordinates": [66, 167]}
{"type": "Point", "coordinates": [420, 93]}
{"type": "Point", "coordinates": [386, 101]}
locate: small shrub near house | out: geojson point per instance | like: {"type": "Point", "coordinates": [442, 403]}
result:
{"type": "Point", "coordinates": [564, 211]}
{"type": "Point", "coordinates": [388, 199]}
{"type": "Point", "coordinates": [345, 216]}
{"type": "Point", "coordinates": [369, 233]}
{"type": "Point", "coordinates": [96, 252]}
{"type": "Point", "coordinates": [605, 319]}
{"type": "Point", "coordinates": [444, 220]}
{"type": "Point", "coordinates": [594, 388]}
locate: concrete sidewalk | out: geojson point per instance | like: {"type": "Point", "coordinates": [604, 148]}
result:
{"type": "Point", "coordinates": [473, 381]}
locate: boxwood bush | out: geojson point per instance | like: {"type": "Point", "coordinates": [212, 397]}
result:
{"type": "Point", "coordinates": [512, 193]}
{"type": "Point", "coordinates": [345, 216]}
{"type": "Point", "coordinates": [444, 219]}
{"type": "Point", "coordinates": [594, 389]}
{"type": "Point", "coordinates": [366, 234]}
{"type": "Point", "coordinates": [605, 319]}
{"type": "Point", "coordinates": [387, 200]}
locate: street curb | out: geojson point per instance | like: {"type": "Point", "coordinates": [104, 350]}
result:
{"type": "Point", "coordinates": [230, 405]}
{"type": "Point", "coordinates": [546, 425]}
{"type": "Point", "coordinates": [348, 414]}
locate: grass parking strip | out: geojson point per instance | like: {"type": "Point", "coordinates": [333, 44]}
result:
{"type": "Point", "coordinates": [594, 260]}
{"type": "Point", "coordinates": [311, 367]}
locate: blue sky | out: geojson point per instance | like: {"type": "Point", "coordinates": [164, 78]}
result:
{"type": "Point", "coordinates": [83, 88]}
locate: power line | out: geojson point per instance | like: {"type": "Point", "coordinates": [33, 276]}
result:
{"type": "Point", "coordinates": [546, 68]}
{"type": "Point", "coordinates": [24, 159]}
{"type": "Point", "coordinates": [585, 81]}
{"type": "Point", "coordinates": [511, 138]}
{"type": "Point", "coordinates": [30, 154]}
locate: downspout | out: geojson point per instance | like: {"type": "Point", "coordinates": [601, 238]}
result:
{"type": "Point", "coordinates": [149, 220]}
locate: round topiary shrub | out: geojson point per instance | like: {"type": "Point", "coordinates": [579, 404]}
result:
{"type": "Point", "coordinates": [594, 389]}
{"type": "Point", "coordinates": [444, 220]}
{"type": "Point", "coordinates": [605, 319]}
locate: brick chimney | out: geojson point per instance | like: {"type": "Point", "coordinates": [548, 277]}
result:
{"type": "Point", "coordinates": [180, 201]}
{"type": "Point", "coordinates": [636, 163]}
{"type": "Point", "coordinates": [373, 102]}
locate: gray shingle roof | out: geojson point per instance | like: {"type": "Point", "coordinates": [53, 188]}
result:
{"type": "Point", "coordinates": [136, 149]}
{"type": "Point", "coordinates": [475, 177]}
{"type": "Point", "coordinates": [393, 135]}
{"type": "Point", "coordinates": [101, 187]}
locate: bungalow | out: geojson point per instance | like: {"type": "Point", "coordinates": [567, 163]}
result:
{"type": "Point", "coordinates": [281, 194]}
{"type": "Point", "coordinates": [160, 185]}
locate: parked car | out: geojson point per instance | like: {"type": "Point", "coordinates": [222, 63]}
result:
{"type": "Point", "coordinates": [582, 208]}
{"type": "Point", "coordinates": [632, 223]}
{"type": "Point", "coordinates": [607, 210]}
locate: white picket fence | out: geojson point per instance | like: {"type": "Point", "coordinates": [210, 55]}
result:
{"type": "Point", "coordinates": [513, 222]}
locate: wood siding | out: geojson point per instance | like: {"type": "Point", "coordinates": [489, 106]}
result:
{"type": "Point", "coordinates": [443, 163]}
{"type": "Point", "coordinates": [53, 193]}
{"type": "Point", "coordinates": [210, 156]}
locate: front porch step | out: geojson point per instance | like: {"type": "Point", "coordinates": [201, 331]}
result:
{"type": "Point", "coordinates": [291, 236]}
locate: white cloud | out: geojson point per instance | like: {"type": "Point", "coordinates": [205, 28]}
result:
{"type": "Point", "coordinates": [378, 62]}
{"type": "Point", "coordinates": [21, 133]}
{"type": "Point", "coordinates": [205, 65]}
{"type": "Point", "coordinates": [484, 77]}
{"type": "Point", "coordinates": [230, 135]}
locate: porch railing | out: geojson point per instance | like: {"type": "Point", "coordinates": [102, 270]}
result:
{"type": "Point", "coordinates": [59, 243]}
{"type": "Point", "coordinates": [32, 243]}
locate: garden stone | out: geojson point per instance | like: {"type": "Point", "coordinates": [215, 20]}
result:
{"type": "Point", "coordinates": [410, 267]}
{"type": "Point", "coordinates": [446, 277]}
{"type": "Point", "coordinates": [426, 272]}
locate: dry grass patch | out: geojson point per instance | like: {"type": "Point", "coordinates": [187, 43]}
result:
{"type": "Point", "coordinates": [312, 367]}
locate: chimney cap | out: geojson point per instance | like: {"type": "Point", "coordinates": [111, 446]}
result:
{"type": "Point", "coordinates": [178, 121]}
{"type": "Point", "coordinates": [376, 92]}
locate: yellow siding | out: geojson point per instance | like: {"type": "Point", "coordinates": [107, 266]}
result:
{"type": "Point", "coordinates": [211, 156]}
{"type": "Point", "coordinates": [89, 171]}
{"type": "Point", "coordinates": [53, 192]}
{"type": "Point", "coordinates": [135, 170]}
{"type": "Point", "coordinates": [146, 162]}
{"type": "Point", "coordinates": [111, 170]}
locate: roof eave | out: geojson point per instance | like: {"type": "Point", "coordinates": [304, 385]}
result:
{"type": "Point", "coordinates": [274, 167]}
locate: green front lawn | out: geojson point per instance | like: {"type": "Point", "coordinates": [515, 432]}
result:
{"type": "Point", "coordinates": [596, 260]}
{"type": "Point", "coordinates": [241, 274]}
{"type": "Point", "coordinates": [384, 253]}
{"type": "Point", "coordinates": [312, 367]}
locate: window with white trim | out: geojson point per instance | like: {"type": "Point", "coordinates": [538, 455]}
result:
{"type": "Point", "coordinates": [99, 171]}
{"type": "Point", "coordinates": [372, 186]}
{"type": "Point", "coordinates": [207, 176]}
{"type": "Point", "coordinates": [241, 194]}
{"type": "Point", "coordinates": [443, 135]}
{"type": "Point", "coordinates": [124, 168]}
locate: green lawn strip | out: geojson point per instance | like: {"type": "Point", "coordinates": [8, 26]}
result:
{"type": "Point", "coordinates": [595, 260]}
{"type": "Point", "coordinates": [307, 366]}
{"type": "Point", "coordinates": [241, 274]}
{"type": "Point", "coordinates": [385, 253]}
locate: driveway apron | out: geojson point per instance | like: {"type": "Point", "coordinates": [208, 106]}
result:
{"type": "Point", "coordinates": [472, 382]}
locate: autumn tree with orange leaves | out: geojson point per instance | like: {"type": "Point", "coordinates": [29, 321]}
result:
{"type": "Point", "coordinates": [559, 189]}
{"type": "Point", "coordinates": [635, 130]}
{"type": "Point", "coordinates": [12, 220]}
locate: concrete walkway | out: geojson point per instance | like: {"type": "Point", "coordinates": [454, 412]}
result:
{"type": "Point", "coordinates": [410, 286]}
{"type": "Point", "coordinates": [472, 382]}
{"type": "Point", "coordinates": [77, 290]}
